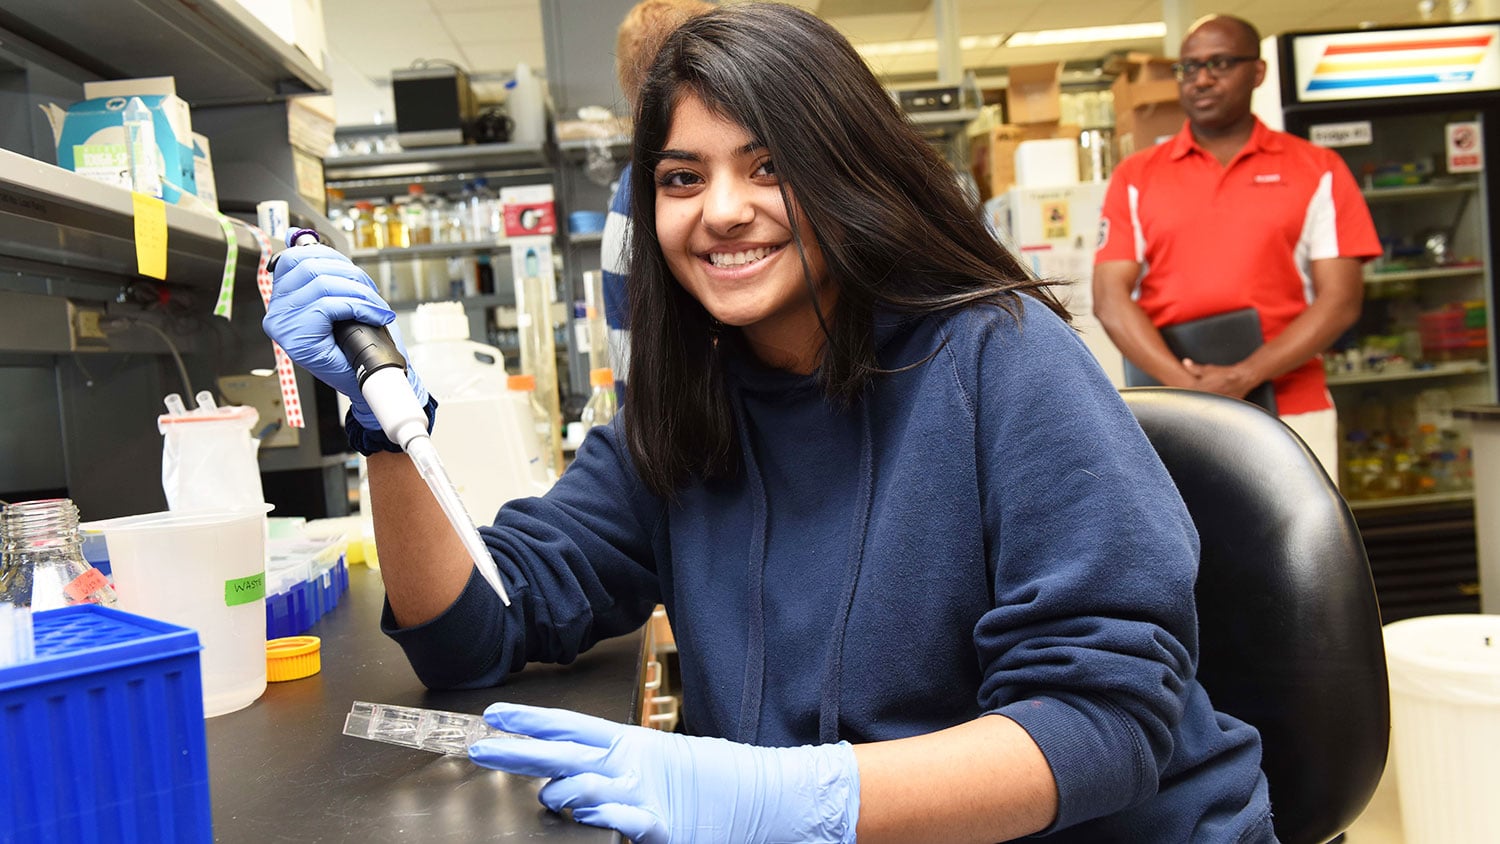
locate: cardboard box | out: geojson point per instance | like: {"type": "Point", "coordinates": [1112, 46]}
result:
{"type": "Point", "coordinates": [1033, 93]}
{"type": "Point", "coordinates": [528, 210]}
{"type": "Point", "coordinates": [90, 134]}
{"type": "Point", "coordinates": [203, 172]}
{"type": "Point", "coordinates": [1145, 126]}
{"type": "Point", "coordinates": [297, 22]}
{"type": "Point", "coordinates": [1146, 96]}
{"type": "Point", "coordinates": [1143, 79]}
{"type": "Point", "coordinates": [992, 157]}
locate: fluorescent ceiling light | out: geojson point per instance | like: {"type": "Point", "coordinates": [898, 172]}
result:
{"type": "Point", "coordinates": [926, 45]}
{"type": "Point", "coordinates": [1088, 34]}
{"type": "Point", "coordinates": [897, 48]}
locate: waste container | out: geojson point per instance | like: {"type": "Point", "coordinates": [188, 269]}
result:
{"type": "Point", "coordinates": [1484, 437]}
{"type": "Point", "coordinates": [1445, 726]}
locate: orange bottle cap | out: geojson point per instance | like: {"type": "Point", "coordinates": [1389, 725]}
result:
{"type": "Point", "coordinates": [293, 658]}
{"type": "Point", "coordinates": [521, 382]}
{"type": "Point", "coordinates": [602, 377]}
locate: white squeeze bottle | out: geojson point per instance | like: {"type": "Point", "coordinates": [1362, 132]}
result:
{"type": "Point", "coordinates": [528, 109]}
{"type": "Point", "coordinates": [140, 149]}
{"type": "Point", "coordinates": [490, 456]}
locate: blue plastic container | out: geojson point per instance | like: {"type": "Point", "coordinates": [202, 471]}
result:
{"type": "Point", "coordinates": [101, 736]}
{"type": "Point", "coordinates": [293, 611]}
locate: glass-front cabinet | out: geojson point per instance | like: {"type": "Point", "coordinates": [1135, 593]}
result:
{"type": "Point", "coordinates": [1423, 344]}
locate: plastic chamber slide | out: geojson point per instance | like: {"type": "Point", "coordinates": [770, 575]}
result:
{"type": "Point", "coordinates": [450, 733]}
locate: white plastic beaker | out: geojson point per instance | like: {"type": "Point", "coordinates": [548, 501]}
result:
{"type": "Point", "coordinates": [1445, 725]}
{"type": "Point", "coordinates": [204, 569]}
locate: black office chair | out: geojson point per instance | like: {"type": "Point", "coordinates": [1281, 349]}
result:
{"type": "Point", "coordinates": [1289, 630]}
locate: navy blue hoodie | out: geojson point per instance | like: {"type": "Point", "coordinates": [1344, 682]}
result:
{"type": "Point", "coordinates": [987, 532]}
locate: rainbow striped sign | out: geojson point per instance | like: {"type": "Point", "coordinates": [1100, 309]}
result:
{"type": "Point", "coordinates": [1397, 63]}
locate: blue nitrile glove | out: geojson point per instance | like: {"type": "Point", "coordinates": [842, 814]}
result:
{"type": "Point", "coordinates": [314, 287]}
{"type": "Point", "coordinates": [655, 787]}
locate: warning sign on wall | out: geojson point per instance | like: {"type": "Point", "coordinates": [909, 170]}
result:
{"type": "Point", "coordinates": [1055, 220]}
{"type": "Point", "coordinates": [1465, 147]}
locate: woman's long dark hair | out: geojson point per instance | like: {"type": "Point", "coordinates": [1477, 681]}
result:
{"type": "Point", "coordinates": [894, 227]}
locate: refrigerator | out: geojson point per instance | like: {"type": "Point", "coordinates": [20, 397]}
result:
{"type": "Point", "coordinates": [1415, 112]}
{"type": "Point", "coordinates": [1054, 231]}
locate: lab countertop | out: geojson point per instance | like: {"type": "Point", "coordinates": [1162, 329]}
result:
{"type": "Point", "coordinates": [282, 769]}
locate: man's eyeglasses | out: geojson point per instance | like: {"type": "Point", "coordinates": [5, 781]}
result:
{"type": "Point", "coordinates": [1216, 66]}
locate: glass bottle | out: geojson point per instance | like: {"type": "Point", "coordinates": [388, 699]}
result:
{"type": "Point", "coordinates": [417, 216]}
{"type": "Point", "coordinates": [392, 229]}
{"type": "Point", "coordinates": [367, 233]}
{"type": "Point", "coordinates": [601, 405]}
{"type": "Point", "coordinates": [43, 566]}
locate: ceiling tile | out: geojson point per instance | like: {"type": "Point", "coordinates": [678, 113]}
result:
{"type": "Point", "coordinates": [833, 9]}
{"type": "Point", "coordinates": [1062, 14]}
{"type": "Point", "coordinates": [494, 25]}
{"type": "Point", "coordinates": [985, 18]}
{"type": "Point", "coordinates": [447, 6]}
{"type": "Point", "coordinates": [865, 29]}
{"type": "Point", "coordinates": [500, 57]}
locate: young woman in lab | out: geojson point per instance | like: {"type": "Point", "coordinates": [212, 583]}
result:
{"type": "Point", "coordinates": [927, 578]}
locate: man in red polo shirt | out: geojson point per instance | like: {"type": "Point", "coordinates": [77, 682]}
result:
{"type": "Point", "coordinates": [1228, 215]}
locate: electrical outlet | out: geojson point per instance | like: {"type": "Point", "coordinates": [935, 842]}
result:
{"type": "Point", "coordinates": [86, 324]}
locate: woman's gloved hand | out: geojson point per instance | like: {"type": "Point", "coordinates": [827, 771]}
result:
{"type": "Point", "coordinates": [314, 287]}
{"type": "Point", "coordinates": [656, 787]}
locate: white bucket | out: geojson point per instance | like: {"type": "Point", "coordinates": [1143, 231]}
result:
{"type": "Point", "coordinates": [1445, 726]}
{"type": "Point", "coordinates": [204, 569]}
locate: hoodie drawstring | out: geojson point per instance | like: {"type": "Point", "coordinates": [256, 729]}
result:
{"type": "Point", "coordinates": [828, 706]}
{"type": "Point", "coordinates": [755, 645]}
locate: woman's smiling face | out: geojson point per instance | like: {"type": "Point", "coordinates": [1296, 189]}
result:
{"type": "Point", "coordinates": [723, 230]}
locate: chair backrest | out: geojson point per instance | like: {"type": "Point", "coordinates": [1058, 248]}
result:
{"type": "Point", "coordinates": [1289, 629]}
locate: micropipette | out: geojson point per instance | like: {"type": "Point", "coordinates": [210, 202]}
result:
{"type": "Point", "coordinates": [381, 371]}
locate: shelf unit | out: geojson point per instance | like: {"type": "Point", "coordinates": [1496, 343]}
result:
{"type": "Point", "coordinates": [1453, 188]}
{"type": "Point", "coordinates": [577, 149]}
{"type": "Point", "coordinates": [411, 164]}
{"type": "Point", "coordinates": [1423, 274]}
{"type": "Point", "coordinates": [68, 254]}
{"type": "Point", "coordinates": [218, 52]}
{"type": "Point", "coordinates": [1439, 230]}
{"type": "Point", "coordinates": [429, 250]}
{"type": "Point", "coordinates": [1451, 369]}
{"type": "Point", "coordinates": [1366, 504]}
{"type": "Point", "coordinates": [444, 170]}
{"type": "Point", "coordinates": [57, 223]}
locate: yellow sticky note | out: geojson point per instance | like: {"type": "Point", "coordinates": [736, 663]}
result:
{"type": "Point", "coordinates": [150, 236]}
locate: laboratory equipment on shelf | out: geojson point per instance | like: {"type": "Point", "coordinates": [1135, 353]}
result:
{"type": "Point", "coordinates": [42, 566]}
{"type": "Point", "coordinates": [601, 405]}
{"type": "Point", "coordinates": [487, 433]}
{"type": "Point", "coordinates": [381, 371]}
{"type": "Point", "coordinates": [534, 324]}
{"type": "Point", "coordinates": [449, 733]}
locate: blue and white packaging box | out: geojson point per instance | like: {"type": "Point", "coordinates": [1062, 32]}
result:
{"type": "Point", "coordinates": [90, 134]}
